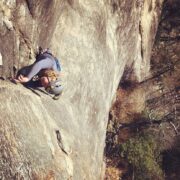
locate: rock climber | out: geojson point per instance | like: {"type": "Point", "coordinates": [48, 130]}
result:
{"type": "Point", "coordinates": [45, 71]}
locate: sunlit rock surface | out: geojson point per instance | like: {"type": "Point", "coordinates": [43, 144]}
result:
{"type": "Point", "coordinates": [47, 139]}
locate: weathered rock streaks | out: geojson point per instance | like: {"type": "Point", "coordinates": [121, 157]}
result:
{"type": "Point", "coordinates": [95, 41]}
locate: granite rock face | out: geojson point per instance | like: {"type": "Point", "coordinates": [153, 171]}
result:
{"type": "Point", "coordinates": [47, 139]}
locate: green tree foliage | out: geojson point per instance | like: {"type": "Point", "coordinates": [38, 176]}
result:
{"type": "Point", "coordinates": [143, 154]}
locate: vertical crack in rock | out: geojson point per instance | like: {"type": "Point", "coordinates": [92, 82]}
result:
{"type": "Point", "coordinates": [29, 6]}
{"type": "Point", "coordinates": [140, 32]}
{"type": "Point", "coordinates": [140, 4]}
{"type": "Point", "coordinates": [60, 142]}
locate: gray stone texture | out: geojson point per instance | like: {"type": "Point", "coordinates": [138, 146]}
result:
{"type": "Point", "coordinates": [95, 40]}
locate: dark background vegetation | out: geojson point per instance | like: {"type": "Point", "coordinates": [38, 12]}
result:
{"type": "Point", "coordinates": [143, 134]}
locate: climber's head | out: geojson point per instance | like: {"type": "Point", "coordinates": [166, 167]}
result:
{"type": "Point", "coordinates": [51, 81]}
{"type": "Point", "coordinates": [44, 81]}
{"type": "Point", "coordinates": [54, 87]}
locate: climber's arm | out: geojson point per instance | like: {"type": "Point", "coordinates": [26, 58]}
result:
{"type": "Point", "coordinates": [43, 64]}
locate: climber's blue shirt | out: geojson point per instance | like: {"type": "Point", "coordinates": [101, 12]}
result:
{"type": "Point", "coordinates": [44, 62]}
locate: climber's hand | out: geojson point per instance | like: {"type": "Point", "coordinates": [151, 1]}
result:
{"type": "Point", "coordinates": [23, 79]}
{"type": "Point", "coordinates": [15, 80]}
